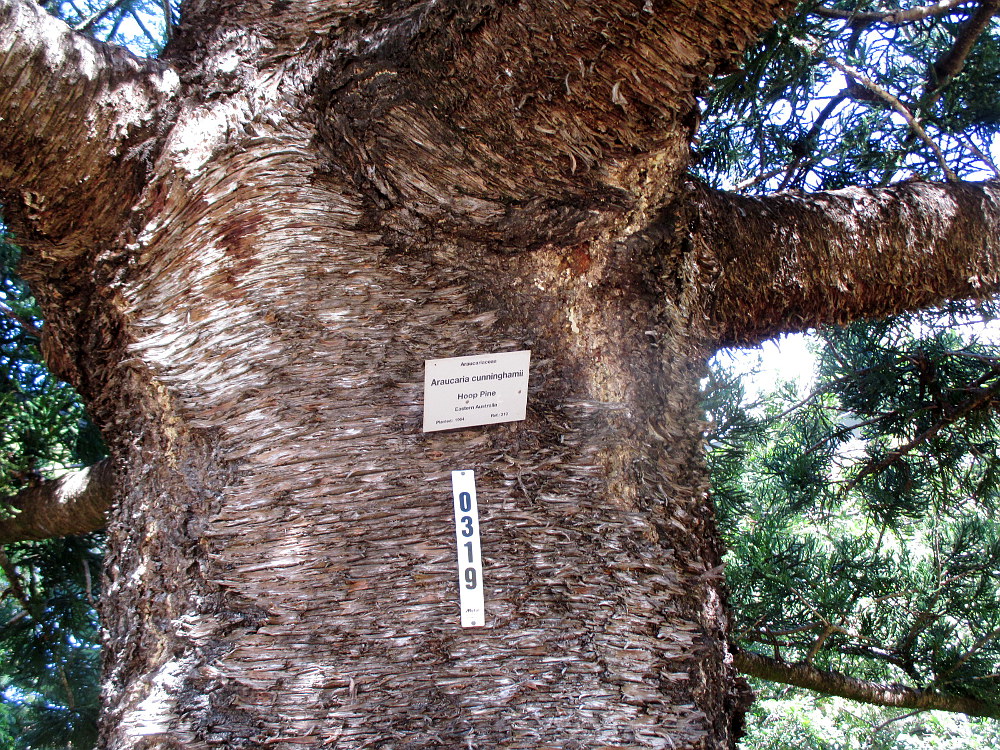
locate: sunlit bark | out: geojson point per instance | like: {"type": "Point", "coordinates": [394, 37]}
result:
{"type": "Point", "coordinates": [73, 504]}
{"type": "Point", "coordinates": [336, 194]}
{"type": "Point", "coordinates": [794, 261]}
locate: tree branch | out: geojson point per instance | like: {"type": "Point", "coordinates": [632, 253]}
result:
{"type": "Point", "coordinates": [78, 122]}
{"type": "Point", "coordinates": [793, 261]}
{"type": "Point", "coordinates": [898, 107]}
{"type": "Point", "coordinates": [950, 64]}
{"type": "Point", "coordinates": [890, 18]}
{"type": "Point", "coordinates": [73, 504]}
{"type": "Point", "coordinates": [973, 405]}
{"type": "Point", "coordinates": [25, 325]}
{"type": "Point", "coordinates": [99, 15]}
{"type": "Point", "coordinates": [836, 683]}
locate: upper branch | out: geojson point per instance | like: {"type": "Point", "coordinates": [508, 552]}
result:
{"type": "Point", "coordinates": [950, 64]}
{"type": "Point", "coordinates": [73, 504]}
{"type": "Point", "coordinates": [562, 109]}
{"type": "Point", "coordinates": [789, 262]}
{"type": "Point", "coordinates": [77, 126]}
{"type": "Point", "coordinates": [890, 18]}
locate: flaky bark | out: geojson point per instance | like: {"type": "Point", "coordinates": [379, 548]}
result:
{"type": "Point", "coordinates": [835, 683]}
{"type": "Point", "coordinates": [73, 504]}
{"type": "Point", "coordinates": [80, 129]}
{"type": "Point", "coordinates": [78, 121]}
{"type": "Point", "coordinates": [338, 194]}
{"type": "Point", "coordinates": [790, 262]}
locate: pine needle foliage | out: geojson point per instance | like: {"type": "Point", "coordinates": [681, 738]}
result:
{"type": "Point", "coordinates": [862, 519]}
{"type": "Point", "coordinates": [49, 652]}
{"type": "Point", "coordinates": [851, 93]}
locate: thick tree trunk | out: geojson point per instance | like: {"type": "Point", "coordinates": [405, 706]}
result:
{"type": "Point", "coordinates": [339, 194]}
{"type": "Point", "coordinates": [305, 534]}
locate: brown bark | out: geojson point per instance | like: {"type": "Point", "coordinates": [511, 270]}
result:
{"type": "Point", "coordinates": [835, 683]}
{"type": "Point", "coordinates": [78, 119]}
{"type": "Point", "coordinates": [73, 504]}
{"type": "Point", "coordinates": [951, 63]}
{"type": "Point", "coordinates": [324, 545]}
{"type": "Point", "coordinates": [795, 261]}
{"type": "Point", "coordinates": [338, 194]}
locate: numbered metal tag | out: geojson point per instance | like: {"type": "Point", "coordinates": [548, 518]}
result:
{"type": "Point", "coordinates": [470, 560]}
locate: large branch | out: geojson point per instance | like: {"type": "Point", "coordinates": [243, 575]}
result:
{"type": "Point", "coordinates": [78, 124]}
{"type": "Point", "coordinates": [73, 504]}
{"type": "Point", "coordinates": [790, 262]}
{"type": "Point", "coordinates": [836, 683]}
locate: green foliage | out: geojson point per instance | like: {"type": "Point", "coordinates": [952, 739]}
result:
{"type": "Point", "coordinates": [49, 641]}
{"type": "Point", "coordinates": [862, 519]}
{"type": "Point", "coordinates": [49, 655]}
{"type": "Point", "coordinates": [785, 718]}
{"type": "Point", "coordinates": [43, 425]}
{"type": "Point", "coordinates": [789, 117]}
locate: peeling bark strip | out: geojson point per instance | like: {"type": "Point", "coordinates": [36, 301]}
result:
{"type": "Point", "coordinates": [835, 683]}
{"type": "Point", "coordinates": [336, 193]}
{"type": "Point", "coordinates": [795, 261]}
{"type": "Point", "coordinates": [73, 504]}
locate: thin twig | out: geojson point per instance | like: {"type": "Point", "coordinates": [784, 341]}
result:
{"type": "Point", "coordinates": [767, 632]}
{"type": "Point", "coordinates": [978, 152]}
{"type": "Point", "coordinates": [14, 583]}
{"type": "Point", "coordinates": [88, 583]}
{"type": "Point", "coordinates": [141, 25]}
{"type": "Point", "coordinates": [899, 107]}
{"type": "Point", "coordinates": [891, 18]}
{"type": "Point", "coordinates": [818, 643]}
{"type": "Point", "coordinates": [99, 15]}
{"type": "Point", "coordinates": [887, 722]}
{"type": "Point", "coordinates": [893, 456]}
{"type": "Point", "coordinates": [758, 179]}
{"type": "Point", "coordinates": [992, 635]}
{"type": "Point", "coordinates": [28, 327]}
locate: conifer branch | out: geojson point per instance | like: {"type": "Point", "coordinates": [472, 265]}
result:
{"type": "Point", "coordinates": [73, 504]}
{"type": "Point", "coordinates": [951, 63]}
{"type": "Point", "coordinates": [890, 18]}
{"type": "Point", "coordinates": [911, 120]}
{"type": "Point", "coordinates": [984, 398]}
{"type": "Point", "coordinates": [836, 683]}
{"type": "Point", "coordinates": [99, 15]}
{"type": "Point", "coordinates": [792, 261]}
{"type": "Point", "coordinates": [24, 324]}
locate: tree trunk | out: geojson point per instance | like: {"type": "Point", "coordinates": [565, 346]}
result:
{"type": "Point", "coordinates": [326, 198]}
{"type": "Point", "coordinates": [283, 566]}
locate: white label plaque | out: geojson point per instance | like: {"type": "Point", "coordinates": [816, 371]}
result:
{"type": "Point", "coordinates": [470, 558]}
{"type": "Point", "coordinates": [480, 389]}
